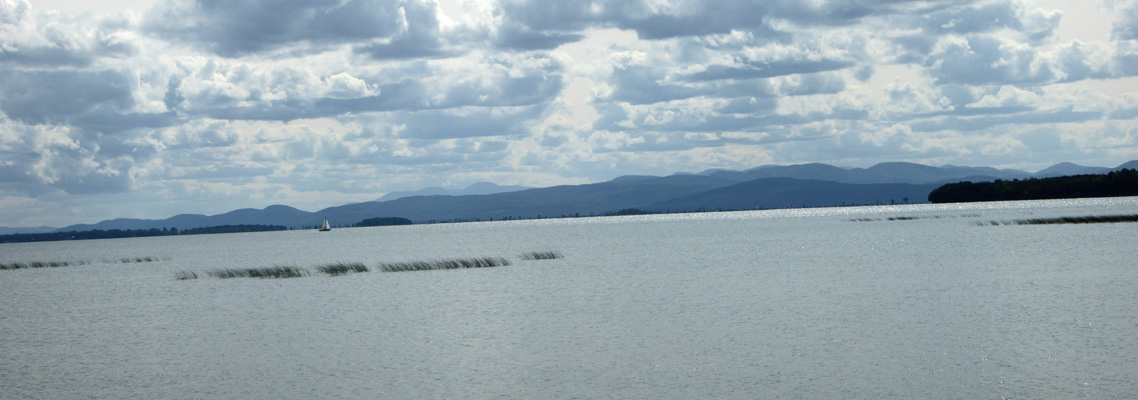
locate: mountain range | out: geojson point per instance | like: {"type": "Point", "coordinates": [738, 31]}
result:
{"type": "Point", "coordinates": [477, 188]}
{"type": "Point", "coordinates": [802, 185]}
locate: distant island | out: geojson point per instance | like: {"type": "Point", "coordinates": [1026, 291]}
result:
{"type": "Point", "coordinates": [384, 221]}
{"type": "Point", "coordinates": [1114, 184]}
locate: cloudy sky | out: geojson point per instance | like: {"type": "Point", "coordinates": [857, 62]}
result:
{"type": "Point", "coordinates": [147, 109]}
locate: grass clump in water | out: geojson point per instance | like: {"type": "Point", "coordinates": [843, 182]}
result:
{"type": "Point", "coordinates": [341, 268]}
{"type": "Point", "coordinates": [139, 260]}
{"type": "Point", "coordinates": [270, 272]}
{"type": "Point", "coordinates": [483, 262]}
{"type": "Point", "coordinates": [38, 264]}
{"type": "Point", "coordinates": [542, 255]}
{"type": "Point", "coordinates": [129, 260]}
{"type": "Point", "coordinates": [1089, 219]}
{"type": "Point", "coordinates": [185, 275]}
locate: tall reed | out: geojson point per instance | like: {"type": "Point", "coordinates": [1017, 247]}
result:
{"type": "Point", "coordinates": [483, 262]}
{"type": "Point", "coordinates": [39, 264]}
{"type": "Point", "coordinates": [341, 268]}
{"type": "Point", "coordinates": [126, 260]}
{"type": "Point", "coordinates": [271, 272]}
{"type": "Point", "coordinates": [542, 255]}
{"type": "Point", "coordinates": [1088, 219]}
{"type": "Point", "coordinates": [185, 275]}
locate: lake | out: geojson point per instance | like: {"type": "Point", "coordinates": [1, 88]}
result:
{"type": "Point", "coordinates": [904, 301]}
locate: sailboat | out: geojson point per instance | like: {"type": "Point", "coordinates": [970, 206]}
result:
{"type": "Point", "coordinates": [325, 227]}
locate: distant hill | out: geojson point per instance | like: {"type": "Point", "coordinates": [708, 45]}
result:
{"type": "Point", "coordinates": [271, 215]}
{"type": "Point", "coordinates": [19, 231]}
{"type": "Point", "coordinates": [791, 193]}
{"type": "Point", "coordinates": [475, 189]}
{"type": "Point", "coordinates": [808, 185]}
{"type": "Point", "coordinates": [893, 172]}
{"type": "Point", "coordinates": [556, 201]}
{"type": "Point", "coordinates": [1066, 168]}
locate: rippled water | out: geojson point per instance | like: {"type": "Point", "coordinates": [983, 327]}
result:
{"type": "Point", "coordinates": [812, 303]}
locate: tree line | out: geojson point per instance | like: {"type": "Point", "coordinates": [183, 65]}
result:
{"type": "Point", "coordinates": [132, 233]}
{"type": "Point", "coordinates": [382, 221]}
{"type": "Point", "coordinates": [1115, 184]}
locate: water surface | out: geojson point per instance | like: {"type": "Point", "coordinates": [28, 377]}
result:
{"type": "Point", "coordinates": [812, 303]}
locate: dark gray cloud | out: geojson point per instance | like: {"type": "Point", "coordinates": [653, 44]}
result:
{"type": "Point", "coordinates": [503, 91]}
{"type": "Point", "coordinates": [46, 56]}
{"type": "Point", "coordinates": [531, 24]}
{"type": "Point", "coordinates": [749, 69]}
{"type": "Point", "coordinates": [1124, 114]}
{"type": "Point", "coordinates": [682, 18]}
{"type": "Point", "coordinates": [640, 83]}
{"type": "Point", "coordinates": [914, 48]}
{"type": "Point", "coordinates": [70, 160]}
{"type": "Point", "coordinates": [637, 84]}
{"type": "Point", "coordinates": [57, 96]}
{"type": "Point", "coordinates": [677, 119]}
{"type": "Point", "coordinates": [959, 124]}
{"type": "Point", "coordinates": [968, 19]}
{"type": "Point", "coordinates": [1126, 62]}
{"type": "Point", "coordinates": [812, 84]}
{"type": "Point", "coordinates": [518, 37]}
{"type": "Point", "coordinates": [466, 123]}
{"type": "Point", "coordinates": [969, 112]}
{"type": "Point", "coordinates": [988, 17]}
{"type": "Point", "coordinates": [548, 24]}
{"type": "Point", "coordinates": [404, 95]}
{"type": "Point", "coordinates": [237, 28]}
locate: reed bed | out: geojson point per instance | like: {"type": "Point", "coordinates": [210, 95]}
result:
{"type": "Point", "coordinates": [39, 264]}
{"type": "Point", "coordinates": [341, 268]}
{"type": "Point", "coordinates": [1088, 219]}
{"type": "Point", "coordinates": [542, 255]}
{"type": "Point", "coordinates": [911, 218]}
{"type": "Point", "coordinates": [127, 260]}
{"type": "Point", "coordinates": [185, 275]}
{"type": "Point", "coordinates": [270, 272]}
{"type": "Point", "coordinates": [484, 262]}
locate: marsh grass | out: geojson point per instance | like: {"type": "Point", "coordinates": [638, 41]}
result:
{"type": "Point", "coordinates": [1088, 219]}
{"type": "Point", "coordinates": [341, 268]}
{"type": "Point", "coordinates": [185, 275]}
{"type": "Point", "coordinates": [542, 255]}
{"type": "Point", "coordinates": [40, 264]}
{"type": "Point", "coordinates": [484, 262]}
{"type": "Point", "coordinates": [270, 272]}
{"type": "Point", "coordinates": [128, 260]}
{"type": "Point", "coordinates": [910, 218]}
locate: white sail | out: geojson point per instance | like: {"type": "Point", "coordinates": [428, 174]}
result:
{"type": "Point", "coordinates": [325, 227]}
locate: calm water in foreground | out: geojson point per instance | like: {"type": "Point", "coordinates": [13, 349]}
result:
{"type": "Point", "coordinates": [815, 303]}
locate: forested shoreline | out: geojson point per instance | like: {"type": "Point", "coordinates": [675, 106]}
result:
{"type": "Point", "coordinates": [132, 233]}
{"type": "Point", "coordinates": [1114, 184]}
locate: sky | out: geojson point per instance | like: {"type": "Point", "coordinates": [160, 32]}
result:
{"type": "Point", "coordinates": [148, 109]}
